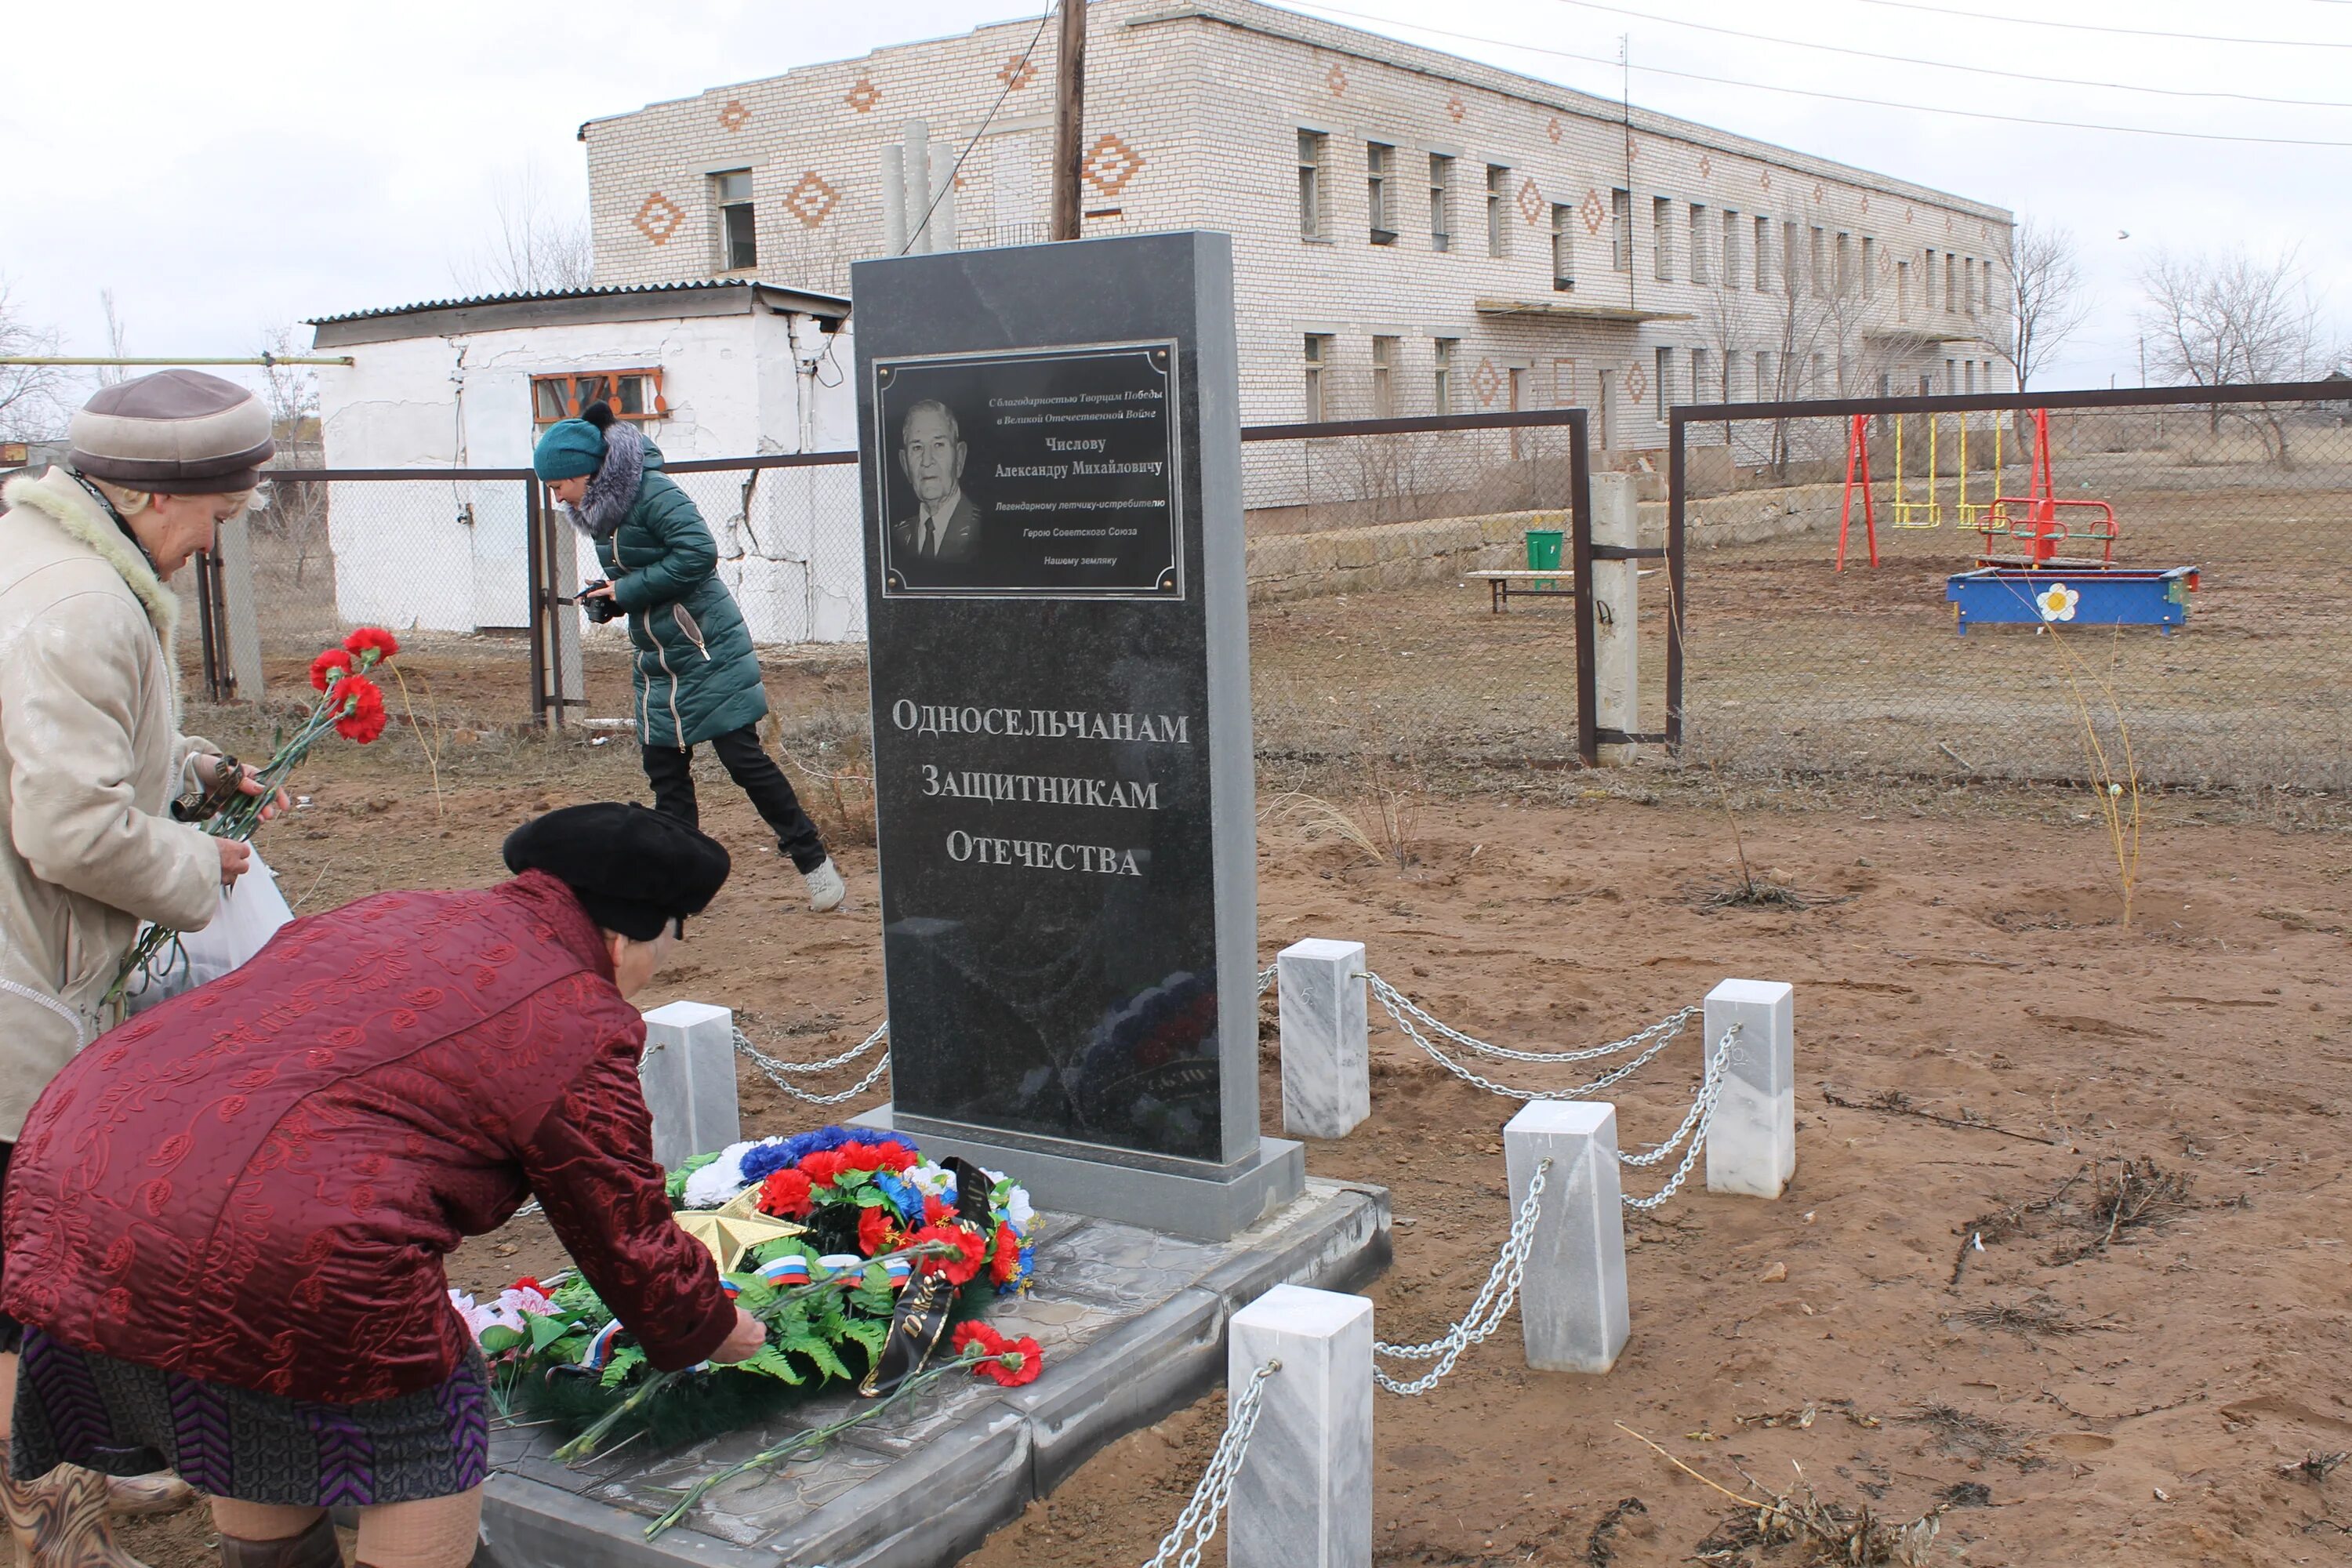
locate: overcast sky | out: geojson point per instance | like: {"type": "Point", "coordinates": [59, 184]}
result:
{"type": "Point", "coordinates": [223, 169]}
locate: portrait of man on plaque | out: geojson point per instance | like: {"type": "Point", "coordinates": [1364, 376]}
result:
{"type": "Point", "coordinates": [939, 540]}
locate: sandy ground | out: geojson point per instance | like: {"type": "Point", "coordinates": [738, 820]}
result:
{"type": "Point", "coordinates": [2145, 1403]}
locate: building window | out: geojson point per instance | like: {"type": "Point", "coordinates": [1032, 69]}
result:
{"type": "Point", "coordinates": [1443, 376]}
{"type": "Point", "coordinates": [1563, 249]}
{"type": "Point", "coordinates": [1975, 291]}
{"type": "Point", "coordinates": [738, 229]}
{"type": "Point", "coordinates": [1318, 359]}
{"type": "Point", "coordinates": [1951, 373]}
{"type": "Point", "coordinates": [1441, 202]}
{"type": "Point", "coordinates": [1380, 164]}
{"type": "Point", "coordinates": [1730, 257]}
{"type": "Point", "coordinates": [1311, 144]}
{"type": "Point", "coordinates": [1767, 389]}
{"type": "Point", "coordinates": [1969, 370]}
{"type": "Point", "coordinates": [632, 394]}
{"type": "Point", "coordinates": [1621, 230]}
{"type": "Point", "coordinates": [1792, 264]}
{"type": "Point", "coordinates": [1817, 255]}
{"type": "Point", "coordinates": [1952, 282]}
{"type": "Point", "coordinates": [1701, 364]}
{"type": "Point", "coordinates": [1821, 374]}
{"type": "Point", "coordinates": [1763, 255]}
{"type": "Point", "coordinates": [1664, 378]}
{"type": "Point", "coordinates": [1844, 273]}
{"type": "Point", "coordinates": [1498, 210]}
{"type": "Point", "coordinates": [1699, 272]}
{"type": "Point", "coordinates": [1901, 291]}
{"type": "Point", "coordinates": [1869, 268]}
{"type": "Point", "coordinates": [1384, 358]}
{"type": "Point", "coordinates": [1563, 384]}
{"type": "Point", "coordinates": [1661, 238]}
{"type": "Point", "coordinates": [1730, 374]}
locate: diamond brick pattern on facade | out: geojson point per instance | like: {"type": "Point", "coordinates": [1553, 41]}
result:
{"type": "Point", "coordinates": [735, 116]}
{"type": "Point", "coordinates": [1765, 179]}
{"type": "Point", "coordinates": [1706, 166]}
{"type": "Point", "coordinates": [863, 95]}
{"type": "Point", "coordinates": [1637, 382]}
{"type": "Point", "coordinates": [658, 218]}
{"type": "Point", "coordinates": [1017, 72]}
{"type": "Point", "coordinates": [1553, 131]}
{"type": "Point", "coordinates": [812, 200]}
{"type": "Point", "coordinates": [1820, 190]}
{"type": "Point", "coordinates": [1110, 163]}
{"type": "Point", "coordinates": [1335, 78]}
{"type": "Point", "coordinates": [1455, 109]}
{"type": "Point", "coordinates": [1486, 381]}
{"type": "Point", "coordinates": [1531, 202]}
{"type": "Point", "coordinates": [1593, 211]}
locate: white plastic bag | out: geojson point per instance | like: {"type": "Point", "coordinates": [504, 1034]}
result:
{"type": "Point", "coordinates": [250, 914]}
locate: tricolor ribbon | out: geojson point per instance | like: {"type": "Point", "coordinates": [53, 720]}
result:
{"type": "Point", "coordinates": [600, 1348]}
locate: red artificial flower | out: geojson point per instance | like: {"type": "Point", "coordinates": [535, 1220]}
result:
{"type": "Point", "coordinates": [329, 665]}
{"type": "Point", "coordinates": [896, 1156]}
{"type": "Point", "coordinates": [875, 1231]}
{"type": "Point", "coordinates": [373, 639]}
{"type": "Point", "coordinates": [937, 1211]}
{"type": "Point", "coordinates": [785, 1193]}
{"type": "Point", "coordinates": [971, 1246]}
{"type": "Point", "coordinates": [860, 1157]}
{"type": "Point", "coordinates": [528, 1283]}
{"type": "Point", "coordinates": [362, 717]}
{"type": "Point", "coordinates": [994, 1346]}
{"type": "Point", "coordinates": [823, 1167]}
{"type": "Point", "coordinates": [1006, 1263]}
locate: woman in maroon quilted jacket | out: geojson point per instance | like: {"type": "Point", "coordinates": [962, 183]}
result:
{"type": "Point", "coordinates": [225, 1220]}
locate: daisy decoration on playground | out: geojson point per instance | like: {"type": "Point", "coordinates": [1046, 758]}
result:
{"type": "Point", "coordinates": [2057, 602]}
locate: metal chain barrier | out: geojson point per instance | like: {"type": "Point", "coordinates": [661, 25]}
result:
{"type": "Point", "coordinates": [780, 1073]}
{"type": "Point", "coordinates": [1397, 1003]}
{"type": "Point", "coordinates": [1695, 1125]}
{"type": "Point", "coordinates": [1408, 1015]}
{"type": "Point", "coordinates": [1197, 1525]}
{"type": "Point", "coordinates": [1266, 979]}
{"type": "Point", "coordinates": [1493, 1302]}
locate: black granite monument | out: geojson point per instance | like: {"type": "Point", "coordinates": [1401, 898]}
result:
{"type": "Point", "coordinates": [1058, 632]}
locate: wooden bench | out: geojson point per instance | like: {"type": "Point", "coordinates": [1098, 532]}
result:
{"type": "Point", "coordinates": [1502, 584]}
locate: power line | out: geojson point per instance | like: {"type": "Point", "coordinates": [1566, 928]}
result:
{"type": "Point", "coordinates": [2094, 27]}
{"type": "Point", "coordinates": [1951, 66]}
{"type": "Point", "coordinates": [1010, 77]}
{"type": "Point", "coordinates": [1835, 96]}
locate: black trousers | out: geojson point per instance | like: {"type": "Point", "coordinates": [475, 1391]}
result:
{"type": "Point", "coordinates": [11, 1334]}
{"type": "Point", "coordinates": [670, 770]}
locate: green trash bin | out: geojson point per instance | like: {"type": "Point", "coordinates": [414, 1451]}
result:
{"type": "Point", "coordinates": [1543, 553]}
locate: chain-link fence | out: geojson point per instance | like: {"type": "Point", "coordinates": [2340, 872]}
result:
{"type": "Point", "coordinates": [1372, 637]}
{"type": "Point", "coordinates": [1790, 663]}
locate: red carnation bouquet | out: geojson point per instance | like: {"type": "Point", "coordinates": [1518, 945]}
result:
{"type": "Point", "coordinates": [349, 703]}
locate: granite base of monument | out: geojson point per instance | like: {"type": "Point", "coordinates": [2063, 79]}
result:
{"type": "Point", "coordinates": [1204, 1202]}
{"type": "Point", "coordinates": [1133, 1326]}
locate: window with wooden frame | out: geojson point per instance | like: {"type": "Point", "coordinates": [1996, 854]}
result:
{"type": "Point", "coordinates": [633, 394]}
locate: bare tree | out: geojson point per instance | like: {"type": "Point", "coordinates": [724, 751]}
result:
{"type": "Point", "coordinates": [2231, 320]}
{"type": "Point", "coordinates": [118, 338]}
{"type": "Point", "coordinates": [541, 243]}
{"type": "Point", "coordinates": [32, 397]}
{"type": "Point", "coordinates": [2044, 300]}
{"type": "Point", "coordinates": [297, 512]}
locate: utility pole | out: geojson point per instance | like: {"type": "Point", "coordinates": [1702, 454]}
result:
{"type": "Point", "coordinates": [1069, 116]}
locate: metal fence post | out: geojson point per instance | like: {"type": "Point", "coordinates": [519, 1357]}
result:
{"type": "Point", "coordinates": [1677, 554]}
{"type": "Point", "coordinates": [540, 619]}
{"type": "Point", "coordinates": [1588, 683]}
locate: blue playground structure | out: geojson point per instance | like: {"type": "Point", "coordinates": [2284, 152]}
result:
{"type": "Point", "coordinates": [2103, 597]}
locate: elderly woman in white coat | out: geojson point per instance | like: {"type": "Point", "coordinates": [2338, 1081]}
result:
{"type": "Point", "coordinates": [100, 794]}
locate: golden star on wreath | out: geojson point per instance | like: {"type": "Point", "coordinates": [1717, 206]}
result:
{"type": "Point", "coordinates": [729, 1235]}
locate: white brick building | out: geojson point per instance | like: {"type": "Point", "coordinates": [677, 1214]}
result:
{"type": "Point", "coordinates": [1413, 232]}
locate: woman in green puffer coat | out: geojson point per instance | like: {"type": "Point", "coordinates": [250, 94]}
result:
{"type": "Point", "coordinates": [697, 677]}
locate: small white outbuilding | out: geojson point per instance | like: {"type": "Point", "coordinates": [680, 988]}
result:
{"type": "Point", "coordinates": [721, 369]}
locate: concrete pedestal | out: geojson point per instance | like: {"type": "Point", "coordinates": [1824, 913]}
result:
{"type": "Point", "coordinates": [1752, 1147]}
{"type": "Point", "coordinates": [689, 1077]}
{"type": "Point", "coordinates": [1303, 1495]}
{"type": "Point", "coordinates": [1572, 1299]}
{"type": "Point", "coordinates": [1326, 1086]}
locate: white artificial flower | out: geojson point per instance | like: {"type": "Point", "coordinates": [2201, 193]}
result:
{"type": "Point", "coordinates": [2057, 602]}
{"type": "Point", "coordinates": [932, 1180]}
{"type": "Point", "coordinates": [1017, 1209]}
{"type": "Point", "coordinates": [719, 1180]}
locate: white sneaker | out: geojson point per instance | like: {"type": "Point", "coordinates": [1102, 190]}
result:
{"type": "Point", "coordinates": [826, 889]}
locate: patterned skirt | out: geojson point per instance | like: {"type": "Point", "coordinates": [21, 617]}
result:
{"type": "Point", "coordinates": [75, 1407]}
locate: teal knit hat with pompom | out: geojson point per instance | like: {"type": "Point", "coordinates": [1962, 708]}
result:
{"type": "Point", "coordinates": [570, 448]}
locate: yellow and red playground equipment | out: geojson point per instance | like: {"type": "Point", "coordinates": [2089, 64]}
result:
{"type": "Point", "coordinates": [2035, 531]}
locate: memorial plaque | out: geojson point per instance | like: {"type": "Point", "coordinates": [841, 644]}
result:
{"type": "Point", "coordinates": [1057, 619]}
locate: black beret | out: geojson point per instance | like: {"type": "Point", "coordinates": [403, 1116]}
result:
{"type": "Point", "coordinates": [632, 869]}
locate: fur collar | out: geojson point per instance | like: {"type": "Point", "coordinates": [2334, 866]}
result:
{"type": "Point", "coordinates": [60, 496]}
{"type": "Point", "coordinates": [613, 491]}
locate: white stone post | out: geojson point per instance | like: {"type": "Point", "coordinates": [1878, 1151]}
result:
{"type": "Point", "coordinates": [1573, 1297]}
{"type": "Point", "coordinates": [915, 158]}
{"type": "Point", "coordinates": [1752, 1147]}
{"type": "Point", "coordinates": [943, 196]}
{"type": "Point", "coordinates": [689, 1076]}
{"type": "Point", "coordinates": [1326, 1086]}
{"type": "Point", "coordinates": [242, 631]}
{"type": "Point", "coordinates": [1303, 1495]}
{"type": "Point", "coordinates": [1616, 600]}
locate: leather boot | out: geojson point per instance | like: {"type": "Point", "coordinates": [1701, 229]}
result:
{"type": "Point", "coordinates": [138, 1497]}
{"type": "Point", "coordinates": [314, 1547]}
{"type": "Point", "coordinates": [59, 1520]}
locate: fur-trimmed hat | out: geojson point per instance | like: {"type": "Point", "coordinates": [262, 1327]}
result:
{"type": "Point", "coordinates": [181, 432]}
{"type": "Point", "coordinates": [632, 869]}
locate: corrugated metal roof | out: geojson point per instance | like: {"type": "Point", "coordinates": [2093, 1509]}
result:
{"type": "Point", "coordinates": [700, 285]}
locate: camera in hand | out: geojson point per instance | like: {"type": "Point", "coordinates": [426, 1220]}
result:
{"type": "Point", "coordinates": [599, 610]}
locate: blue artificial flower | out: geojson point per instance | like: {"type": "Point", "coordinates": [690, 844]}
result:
{"type": "Point", "coordinates": [903, 1195]}
{"type": "Point", "coordinates": [1020, 1280]}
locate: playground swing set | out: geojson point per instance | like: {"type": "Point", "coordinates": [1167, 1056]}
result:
{"type": "Point", "coordinates": [2026, 540]}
